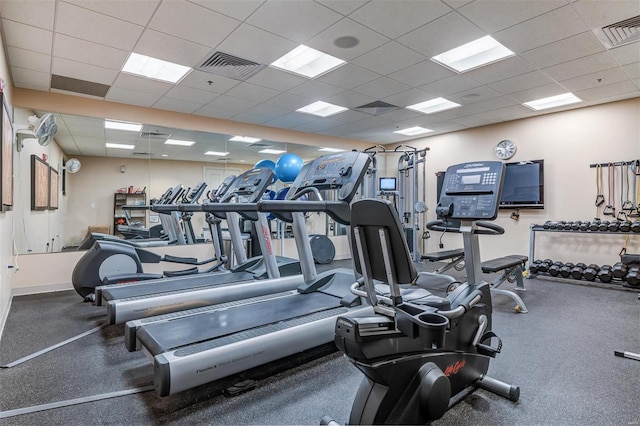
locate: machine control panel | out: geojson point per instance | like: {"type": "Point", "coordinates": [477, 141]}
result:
{"type": "Point", "coordinates": [343, 171]}
{"type": "Point", "coordinates": [250, 185]}
{"type": "Point", "coordinates": [471, 191]}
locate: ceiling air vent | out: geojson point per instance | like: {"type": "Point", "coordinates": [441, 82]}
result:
{"type": "Point", "coordinates": [229, 66]}
{"type": "Point", "coordinates": [154, 135]}
{"type": "Point", "coordinates": [142, 154]}
{"type": "Point", "coordinates": [377, 108]}
{"type": "Point", "coordinates": [623, 32]}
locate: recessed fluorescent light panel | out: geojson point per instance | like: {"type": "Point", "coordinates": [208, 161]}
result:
{"type": "Point", "coordinates": [164, 155]}
{"type": "Point", "coordinates": [122, 125]}
{"type": "Point", "coordinates": [322, 109]}
{"type": "Point", "coordinates": [307, 62]}
{"type": "Point", "coordinates": [433, 105]}
{"type": "Point", "coordinates": [218, 153]}
{"type": "Point", "coordinates": [553, 101]}
{"type": "Point", "coordinates": [247, 139]}
{"type": "Point", "coordinates": [272, 151]}
{"type": "Point", "coordinates": [156, 69]}
{"type": "Point", "coordinates": [475, 54]}
{"type": "Point", "coordinates": [413, 131]}
{"type": "Point", "coordinates": [331, 149]}
{"type": "Point", "coordinates": [178, 142]}
{"type": "Point", "coordinates": [119, 146]}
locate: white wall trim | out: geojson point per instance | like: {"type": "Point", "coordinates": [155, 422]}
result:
{"type": "Point", "coordinates": [39, 289]}
{"type": "Point", "coordinates": [3, 320]}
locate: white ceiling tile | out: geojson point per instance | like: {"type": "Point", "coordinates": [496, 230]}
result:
{"type": "Point", "coordinates": [216, 112]}
{"type": "Point", "coordinates": [27, 37]}
{"type": "Point", "coordinates": [395, 18]}
{"type": "Point", "coordinates": [349, 116]}
{"type": "Point", "coordinates": [507, 112]}
{"type": "Point", "coordinates": [128, 96]}
{"type": "Point", "coordinates": [538, 93]}
{"type": "Point", "coordinates": [446, 86]}
{"type": "Point", "coordinates": [192, 22]}
{"type": "Point", "coordinates": [606, 90]}
{"type": "Point", "coordinates": [500, 70]}
{"type": "Point", "coordinates": [369, 39]}
{"type": "Point", "coordinates": [232, 103]}
{"type": "Point", "coordinates": [429, 39]}
{"type": "Point", "coordinates": [388, 58]}
{"type": "Point", "coordinates": [268, 111]}
{"type": "Point", "coordinates": [92, 26]}
{"type": "Point", "coordinates": [401, 115]}
{"type": "Point", "coordinates": [294, 20]}
{"type": "Point", "coordinates": [626, 54]}
{"type": "Point", "coordinates": [39, 13]}
{"type": "Point", "coordinates": [23, 77]}
{"type": "Point", "coordinates": [343, 6]}
{"type": "Point", "coordinates": [169, 48]}
{"type": "Point", "coordinates": [290, 120]}
{"type": "Point", "coordinates": [348, 76]}
{"type": "Point", "coordinates": [490, 104]}
{"type": "Point", "coordinates": [200, 80]}
{"type": "Point", "coordinates": [471, 96]}
{"type": "Point", "coordinates": [82, 71]}
{"type": "Point", "coordinates": [70, 93]}
{"type": "Point", "coordinates": [236, 9]}
{"type": "Point", "coordinates": [252, 92]}
{"type": "Point", "coordinates": [521, 82]}
{"type": "Point", "coordinates": [256, 45]}
{"type": "Point", "coordinates": [288, 100]}
{"type": "Point", "coordinates": [141, 84]}
{"type": "Point", "coordinates": [87, 52]}
{"type": "Point", "coordinates": [313, 126]}
{"type": "Point", "coordinates": [248, 117]}
{"type": "Point", "coordinates": [29, 59]}
{"type": "Point", "coordinates": [349, 99]}
{"type": "Point", "coordinates": [457, 4]}
{"type": "Point", "coordinates": [316, 90]}
{"type": "Point", "coordinates": [614, 98]}
{"type": "Point", "coordinates": [632, 70]}
{"type": "Point", "coordinates": [570, 48]}
{"type": "Point", "coordinates": [613, 75]}
{"type": "Point", "coordinates": [496, 15]}
{"type": "Point", "coordinates": [177, 105]}
{"type": "Point", "coordinates": [422, 73]}
{"type": "Point", "coordinates": [192, 95]}
{"type": "Point", "coordinates": [583, 66]}
{"type": "Point", "coordinates": [138, 11]}
{"type": "Point", "coordinates": [552, 26]}
{"type": "Point", "coordinates": [276, 79]}
{"type": "Point", "coordinates": [381, 88]}
{"type": "Point", "coordinates": [599, 13]}
{"type": "Point", "coordinates": [408, 97]}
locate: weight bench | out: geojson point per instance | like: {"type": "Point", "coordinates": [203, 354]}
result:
{"type": "Point", "coordinates": [511, 267]}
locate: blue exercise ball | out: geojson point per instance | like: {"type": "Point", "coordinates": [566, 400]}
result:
{"type": "Point", "coordinates": [288, 167]}
{"type": "Point", "coordinates": [267, 164]}
{"type": "Point", "coordinates": [269, 195]}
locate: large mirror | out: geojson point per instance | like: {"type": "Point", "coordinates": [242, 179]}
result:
{"type": "Point", "coordinates": [137, 166]}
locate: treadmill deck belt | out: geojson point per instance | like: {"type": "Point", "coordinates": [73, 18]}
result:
{"type": "Point", "coordinates": [166, 336]}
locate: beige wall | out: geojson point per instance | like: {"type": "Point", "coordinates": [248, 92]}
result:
{"type": "Point", "coordinates": [568, 142]}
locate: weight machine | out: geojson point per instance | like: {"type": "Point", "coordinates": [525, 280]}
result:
{"type": "Point", "coordinates": [403, 190]}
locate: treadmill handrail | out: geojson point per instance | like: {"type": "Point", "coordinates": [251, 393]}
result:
{"type": "Point", "coordinates": [338, 210]}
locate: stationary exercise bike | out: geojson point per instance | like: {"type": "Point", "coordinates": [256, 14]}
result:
{"type": "Point", "coordinates": [420, 352]}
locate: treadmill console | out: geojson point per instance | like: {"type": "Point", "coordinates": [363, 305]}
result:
{"type": "Point", "coordinates": [249, 186]}
{"type": "Point", "coordinates": [343, 171]}
{"type": "Point", "coordinates": [471, 191]}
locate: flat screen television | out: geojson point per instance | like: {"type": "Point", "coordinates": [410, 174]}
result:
{"type": "Point", "coordinates": [523, 186]}
{"type": "Point", "coordinates": [388, 184]}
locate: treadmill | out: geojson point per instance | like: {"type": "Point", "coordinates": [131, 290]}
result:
{"type": "Point", "coordinates": [160, 296]}
{"type": "Point", "coordinates": [193, 348]}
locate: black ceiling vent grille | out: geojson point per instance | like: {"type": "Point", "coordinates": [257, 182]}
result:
{"type": "Point", "coordinates": [377, 108]}
{"type": "Point", "coordinates": [623, 32]}
{"type": "Point", "coordinates": [226, 65]}
{"type": "Point", "coordinates": [142, 154]}
{"type": "Point", "coordinates": [154, 135]}
{"type": "Point", "coordinates": [260, 145]}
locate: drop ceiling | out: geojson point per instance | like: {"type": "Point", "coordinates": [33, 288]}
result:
{"type": "Point", "coordinates": [556, 44]}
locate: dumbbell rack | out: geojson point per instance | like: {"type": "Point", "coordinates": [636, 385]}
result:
{"type": "Point", "coordinates": [532, 247]}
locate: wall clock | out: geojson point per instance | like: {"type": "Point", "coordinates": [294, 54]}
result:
{"type": "Point", "coordinates": [505, 149]}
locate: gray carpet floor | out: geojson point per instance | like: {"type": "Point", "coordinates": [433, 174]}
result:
{"type": "Point", "coordinates": [560, 354]}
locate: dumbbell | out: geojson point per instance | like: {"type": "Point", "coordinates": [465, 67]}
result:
{"type": "Point", "coordinates": [584, 226]}
{"type": "Point", "coordinates": [619, 270]}
{"type": "Point", "coordinates": [575, 225]}
{"type": "Point", "coordinates": [576, 271]}
{"type": "Point", "coordinates": [635, 226]}
{"type": "Point", "coordinates": [603, 226]}
{"type": "Point", "coordinates": [565, 271]}
{"type": "Point", "coordinates": [605, 275]}
{"type": "Point", "coordinates": [625, 226]}
{"type": "Point", "coordinates": [591, 272]}
{"type": "Point", "coordinates": [548, 224]}
{"type": "Point", "coordinates": [595, 225]}
{"type": "Point", "coordinates": [533, 267]}
{"type": "Point", "coordinates": [633, 276]}
{"type": "Point", "coordinates": [545, 265]}
{"type": "Point", "coordinates": [613, 226]}
{"type": "Point", "coordinates": [554, 269]}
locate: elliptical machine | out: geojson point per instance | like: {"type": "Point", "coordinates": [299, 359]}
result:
{"type": "Point", "coordinates": [420, 356]}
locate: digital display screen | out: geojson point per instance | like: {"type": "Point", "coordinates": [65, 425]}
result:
{"type": "Point", "coordinates": [471, 180]}
{"type": "Point", "coordinates": [523, 185]}
{"type": "Point", "coordinates": [388, 184]}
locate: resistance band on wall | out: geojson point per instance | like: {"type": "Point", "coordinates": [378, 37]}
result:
{"type": "Point", "coordinates": [625, 203]}
{"type": "Point", "coordinates": [635, 170]}
{"type": "Point", "coordinates": [610, 208]}
{"type": "Point", "coordinates": [599, 194]}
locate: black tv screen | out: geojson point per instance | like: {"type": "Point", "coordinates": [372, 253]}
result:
{"type": "Point", "coordinates": [523, 185]}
